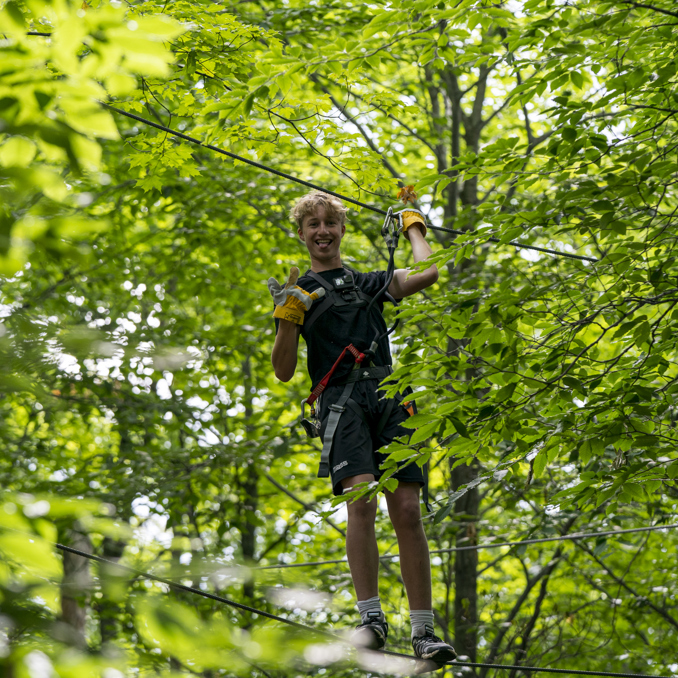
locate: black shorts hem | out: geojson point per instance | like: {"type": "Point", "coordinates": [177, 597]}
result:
{"type": "Point", "coordinates": [338, 490]}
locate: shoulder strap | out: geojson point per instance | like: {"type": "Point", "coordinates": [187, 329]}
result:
{"type": "Point", "coordinates": [317, 310]}
{"type": "Point", "coordinates": [329, 300]}
{"type": "Point", "coordinates": [320, 280]}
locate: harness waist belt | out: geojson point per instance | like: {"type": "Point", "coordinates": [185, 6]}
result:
{"type": "Point", "coordinates": [364, 373]}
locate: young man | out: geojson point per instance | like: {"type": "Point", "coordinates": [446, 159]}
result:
{"type": "Point", "coordinates": [328, 307]}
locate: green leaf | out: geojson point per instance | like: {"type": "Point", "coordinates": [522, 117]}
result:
{"type": "Point", "coordinates": [12, 19]}
{"type": "Point", "coordinates": [17, 152]}
{"type": "Point", "coordinates": [569, 134]}
{"type": "Point", "coordinates": [249, 102]}
{"type": "Point", "coordinates": [391, 484]}
{"type": "Point", "coordinates": [539, 463]}
{"type": "Point", "coordinates": [376, 24]}
{"type": "Point", "coordinates": [577, 78]}
{"type": "Point", "coordinates": [459, 426]}
{"type": "Point", "coordinates": [420, 419]}
{"type": "Point", "coordinates": [585, 452]}
{"type": "Point", "coordinates": [505, 392]}
{"type": "Point", "coordinates": [424, 433]}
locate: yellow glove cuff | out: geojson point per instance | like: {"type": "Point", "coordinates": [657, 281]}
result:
{"type": "Point", "coordinates": [412, 218]}
{"type": "Point", "coordinates": [287, 313]}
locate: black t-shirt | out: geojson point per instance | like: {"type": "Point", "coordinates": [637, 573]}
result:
{"type": "Point", "coordinates": [338, 327]}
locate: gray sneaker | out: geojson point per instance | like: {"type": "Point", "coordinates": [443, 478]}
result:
{"type": "Point", "coordinates": [429, 646]}
{"type": "Point", "coordinates": [371, 634]}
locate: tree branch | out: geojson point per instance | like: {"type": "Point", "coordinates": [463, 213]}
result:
{"type": "Point", "coordinates": [650, 7]}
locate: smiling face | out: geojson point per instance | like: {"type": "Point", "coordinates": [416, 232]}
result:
{"type": "Point", "coordinates": [322, 232]}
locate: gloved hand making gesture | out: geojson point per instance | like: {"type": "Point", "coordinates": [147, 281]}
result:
{"type": "Point", "coordinates": [291, 301]}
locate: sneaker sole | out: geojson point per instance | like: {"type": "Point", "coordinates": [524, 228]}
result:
{"type": "Point", "coordinates": [368, 639]}
{"type": "Point", "coordinates": [443, 656]}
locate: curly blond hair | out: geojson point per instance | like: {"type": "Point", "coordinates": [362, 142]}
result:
{"type": "Point", "coordinates": [311, 201]}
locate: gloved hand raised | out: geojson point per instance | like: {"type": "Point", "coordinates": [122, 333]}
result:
{"type": "Point", "coordinates": [292, 302]}
{"type": "Point", "coordinates": [410, 217]}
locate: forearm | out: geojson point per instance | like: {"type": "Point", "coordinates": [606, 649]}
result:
{"type": "Point", "coordinates": [405, 282]}
{"type": "Point", "coordinates": [420, 248]}
{"type": "Point", "coordinates": [421, 251]}
{"type": "Point", "coordinates": [284, 355]}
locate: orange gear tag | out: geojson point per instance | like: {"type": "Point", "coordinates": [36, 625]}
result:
{"type": "Point", "coordinates": [409, 406]}
{"type": "Point", "coordinates": [407, 194]}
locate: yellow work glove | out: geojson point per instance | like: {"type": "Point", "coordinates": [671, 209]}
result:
{"type": "Point", "coordinates": [410, 217]}
{"type": "Point", "coordinates": [292, 302]}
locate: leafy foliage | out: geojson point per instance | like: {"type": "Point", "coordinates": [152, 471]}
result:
{"type": "Point", "coordinates": [137, 397]}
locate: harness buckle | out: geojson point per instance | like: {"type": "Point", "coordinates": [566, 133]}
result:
{"type": "Point", "coordinates": [337, 408]}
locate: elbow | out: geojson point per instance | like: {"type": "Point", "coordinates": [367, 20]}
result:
{"type": "Point", "coordinates": [283, 374]}
{"type": "Point", "coordinates": [432, 275]}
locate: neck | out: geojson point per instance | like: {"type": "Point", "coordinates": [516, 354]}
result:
{"type": "Point", "coordinates": [319, 266]}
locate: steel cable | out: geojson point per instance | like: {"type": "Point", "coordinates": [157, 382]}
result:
{"type": "Point", "coordinates": [477, 547]}
{"type": "Point", "coordinates": [327, 634]}
{"type": "Point", "coordinates": [290, 177]}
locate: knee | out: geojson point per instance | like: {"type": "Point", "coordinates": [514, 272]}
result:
{"type": "Point", "coordinates": [362, 510]}
{"type": "Point", "coordinates": [406, 515]}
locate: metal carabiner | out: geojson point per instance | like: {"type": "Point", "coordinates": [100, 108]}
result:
{"type": "Point", "coordinates": [311, 426]}
{"type": "Point", "coordinates": [390, 231]}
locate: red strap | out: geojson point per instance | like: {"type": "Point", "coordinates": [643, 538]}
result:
{"type": "Point", "coordinates": [322, 384]}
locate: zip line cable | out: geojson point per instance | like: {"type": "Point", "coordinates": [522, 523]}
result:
{"type": "Point", "coordinates": [254, 163]}
{"type": "Point", "coordinates": [327, 634]}
{"type": "Point", "coordinates": [190, 589]}
{"type": "Point", "coordinates": [477, 547]}
{"type": "Point", "coordinates": [290, 177]}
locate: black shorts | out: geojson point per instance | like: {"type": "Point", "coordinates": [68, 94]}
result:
{"type": "Point", "coordinates": [354, 447]}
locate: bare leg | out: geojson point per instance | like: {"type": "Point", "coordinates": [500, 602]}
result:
{"type": "Point", "coordinates": [361, 541]}
{"type": "Point", "coordinates": [415, 563]}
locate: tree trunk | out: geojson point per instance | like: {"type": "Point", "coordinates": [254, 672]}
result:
{"type": "Point", "coordinates": [75, 586]}
{"type": "Point", "coordinates": [466, 565]}
{"type": "Point", "coordinates": [108, 607]}
{"type": "Point", "coordinates": [249, 486]}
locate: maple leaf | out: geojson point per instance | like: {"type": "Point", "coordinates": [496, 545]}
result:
{"type": "Point", "coordinates": [149, 183]}
{"type": "Point", "coordinates": [189, 170]}
{"type": "Point", "coordinates": [407, 194]}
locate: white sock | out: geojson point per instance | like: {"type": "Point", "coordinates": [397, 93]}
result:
{"type": "Point", "coordinates": [370, 605]}
{"type": "Point", "coordinates": [422, 621]}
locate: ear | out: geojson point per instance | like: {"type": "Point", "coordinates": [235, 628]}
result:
{"type": "Point", "coordinates": [300, 233]}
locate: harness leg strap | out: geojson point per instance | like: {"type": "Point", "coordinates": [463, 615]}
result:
{"type": "Point", "coordinates": [427, 504]}
{"type": "Point", "coordinates": [336, 410]}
